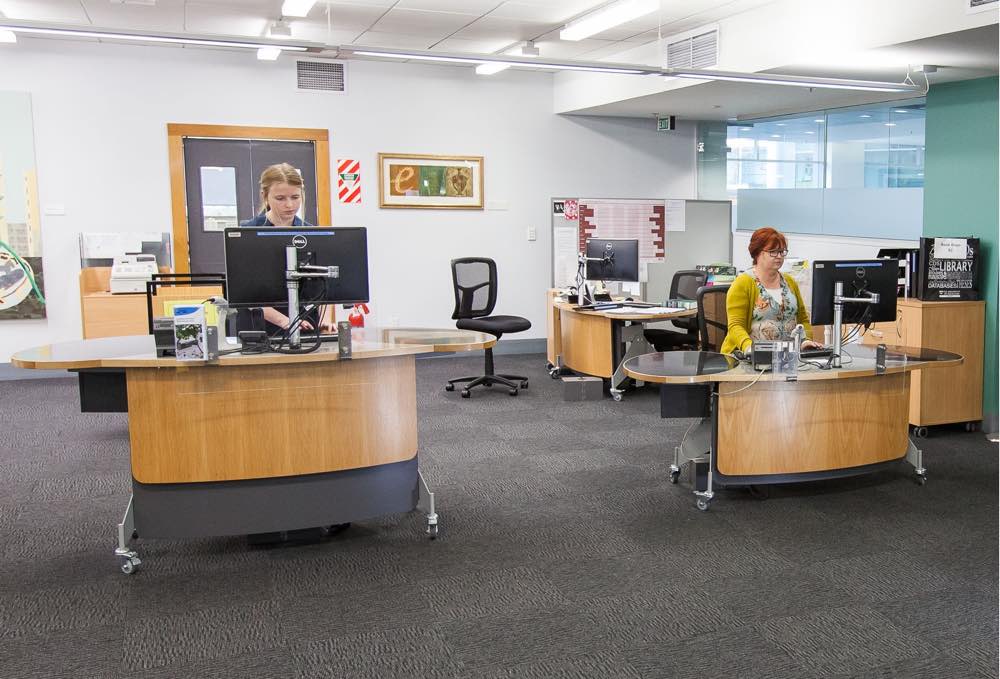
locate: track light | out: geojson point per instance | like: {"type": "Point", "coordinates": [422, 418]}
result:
{"type": "Point", "coordinates": [135, 37]}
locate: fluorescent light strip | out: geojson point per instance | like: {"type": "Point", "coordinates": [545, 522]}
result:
{"type": "Point", "coordinates": [7, 36]}
{"type": "Point", "coordinates": [490, 68]}
{"type": "Point", "coordinates": [269, 53]}
{"type": "Point", "coordinates": [608, 17]}
{"type": "Point", "coordinates": [71, 32]}
{"type": "Point", "coordinates": [796, 81]}
{"type": "Point", "coordinates": [596, 68]}
{"type": "Point", "coordinates": [296, 8]}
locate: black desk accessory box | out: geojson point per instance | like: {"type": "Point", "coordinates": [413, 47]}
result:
{"type": "Point", "coordinates": [943, 278]}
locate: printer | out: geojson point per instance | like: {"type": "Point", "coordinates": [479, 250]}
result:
{"type": "Point", "coordinates": [130, 272]}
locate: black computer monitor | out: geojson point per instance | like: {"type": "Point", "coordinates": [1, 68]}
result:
{"type": "Point", "coordinates": [255, 264]}
{"type": "Point", "coordinates": [619, 259]}
{"type": "Point", "coordinates": [859, 277]}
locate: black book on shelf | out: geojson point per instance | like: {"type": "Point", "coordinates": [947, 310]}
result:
{"type": "Point", "coordinates": [948, 269]}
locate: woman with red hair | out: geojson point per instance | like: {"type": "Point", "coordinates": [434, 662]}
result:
{"type": "Point", "coordinates": [762, 303]}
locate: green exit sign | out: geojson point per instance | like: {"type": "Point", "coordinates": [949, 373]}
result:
{"type": "Point", "coordinates": [665, 123]}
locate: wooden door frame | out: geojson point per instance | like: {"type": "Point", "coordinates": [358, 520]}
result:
{"type": "Point", "coordinates": [178, 191]}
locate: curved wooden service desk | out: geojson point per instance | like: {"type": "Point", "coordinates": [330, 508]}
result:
{"type": "Point", "coordinates": [759, 428]}
{"type": "Point", "coordinates": [597, 343]}
{"type": "Point", "coordinates": [261, 442]}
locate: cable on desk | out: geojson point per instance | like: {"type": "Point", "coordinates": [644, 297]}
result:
{"type": "Point", "coordinates": [730, 393]}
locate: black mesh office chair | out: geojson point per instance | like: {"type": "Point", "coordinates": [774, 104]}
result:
{"type": "Point", "coordinates": [475, 280]}
{"type": "Point", "coordinates": [684, 285]}
{"type": "Point", "coordinates": [713, 321]}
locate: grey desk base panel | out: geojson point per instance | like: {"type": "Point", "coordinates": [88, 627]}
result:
{"type": "Point", "coordinates": [188, 510]}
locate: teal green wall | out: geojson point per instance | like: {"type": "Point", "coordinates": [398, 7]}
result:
{"type": "Point", "coordinates": [961, 182]}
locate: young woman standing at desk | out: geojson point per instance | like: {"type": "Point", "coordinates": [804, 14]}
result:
{"type": "Point", "coordinates": [763, 303]}
{"type": "Point", "coordinates": [281, 190]}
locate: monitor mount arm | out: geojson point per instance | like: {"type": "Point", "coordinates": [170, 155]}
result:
{"type": "Point", "coordinates": [294, 272]}
{"type": "Point", "coordinates": [838, 316]}
{"type": "Point", "coordinates": [582, 289]}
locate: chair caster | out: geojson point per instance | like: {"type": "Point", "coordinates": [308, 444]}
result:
{"type": "Point", "coordinates": [921, 479]}
{"type": "Point", "coordinates": [674, 477]}
{"type": "Point", "coordinates": [702, 504]}
{"type": "Point", "coordinates": [449, 387]}
{"type": "Point", "coordinates": [130, 564]}
{"type": "Point", "coordinates": [554, 373]}
{"type": "Point", "coordinates": [513, 392]}
{"type": "Point", "coordinates": [432, 532]}
{"type": "Point", "coordinates": [524, 384]}
{"type": "Point", "coordinates": [920, 432]}
{"type": "Point", "coordinates": [466, 393]}
{"type": "Point", "coordinates": [616, 396]}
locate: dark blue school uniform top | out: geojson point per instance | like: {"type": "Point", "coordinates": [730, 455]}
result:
{"type": "Point", "coordinates": [243, 319]}
{"type": "Point", "coordinates": [262, 220]}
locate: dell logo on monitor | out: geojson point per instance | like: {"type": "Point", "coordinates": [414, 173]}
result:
{"type": "Point", "coordinates": [299, 241]}
{"type": "Point", "coordinates": [860, 272]}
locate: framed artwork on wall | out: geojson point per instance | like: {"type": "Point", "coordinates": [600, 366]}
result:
{"type": "Point", "coordinates": [429, 181]}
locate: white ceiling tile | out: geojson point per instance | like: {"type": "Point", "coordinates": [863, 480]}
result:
{"type": "Point", "coordinates": [224, 20]}
{"type": "Point", "coordinates": [607, 49]}
{"type": "Point", "coordinates": [398, 41]}
{"type": "Point", "coordinates": [568, 49]}
{"type": "Point", "coordinates": [421, 23]}
{"type": "Point", "coordinates": [314, 32]}
{"type": "Point", "coordinates": [165, 15]}
{"type": "Point", "coordinates": [384, 4]}
{"type": "Point", "coordinates": [489, 28]}
{"type": "Point", "coordinates": [61, 11]}
{"type": "Point", "coordinates": [557, 12]}
{"type": "Point", "coordinates": [485, 46]}
{"type": "Point", "coordinates": [463, 7]}
{"type": "Point", "coordinates": [347, 17]}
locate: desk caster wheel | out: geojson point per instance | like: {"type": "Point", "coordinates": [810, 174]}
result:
{"type": "Point", "coordinates": [130, 564]}
{"type": "Point", "coordinates": [971, 426]}
{"type": "Point", "coordinates": [920, 432]}
{"type": "Point", "coordinates": [449, 387]}
{"type": "Point", "coordinates": [524, 384]}
{"type": "Point", "coordinates": [616, 396]}
{"type": "Point", "coordinates": [702, 504]}
{"type": "Point", "coordinates": [466, 393]}
{"type": "Point", "coordinates": [921, 479]}
{"type": "Point", "coordinates": [554, 373]}
{"type": "Point", "coordinates": [432, 531]}
{"type": "Point", "coordinates": [488, 385]}
{"type": "Point", "coordinates": [674, 477]}
{"type": "Point", "coordinates": [513, 392]}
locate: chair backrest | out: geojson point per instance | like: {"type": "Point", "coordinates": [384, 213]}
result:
{"type": "Point", "coordinates": [475, 282]}
{"type": "Point", "coordinates": [684, 285]}
{"type": "Point", "coordinates": [712, 319]}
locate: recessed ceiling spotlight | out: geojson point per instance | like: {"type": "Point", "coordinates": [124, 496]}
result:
{"type": "Point", "coordinates": [890, 124]}
{"type": "Point", "coordinates": [781, 124]}
{"type": "Point", "coordinates": [865, 115]}
{"type": "Point", "coordinates": [900, 110]}
{"type": "Point", "coordinates": [810, 132]}
{"type": "Point", "coordinates": [775, 136]}
{"type": "Point", "coordinates": [819, 120]}
{"type": "Point", "coordinates": [745, 129]}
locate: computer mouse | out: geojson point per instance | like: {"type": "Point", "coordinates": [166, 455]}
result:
{"type": "Point", "coordinates": [629, 299]}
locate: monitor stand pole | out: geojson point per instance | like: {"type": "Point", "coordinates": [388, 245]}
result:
{"type": "Point", "coordinates": [292, 282]}
{"type": "Point", "coordinates": [838, 317]}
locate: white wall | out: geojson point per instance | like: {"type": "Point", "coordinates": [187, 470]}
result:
{"type": "Point", "coordinates": [100, 114]}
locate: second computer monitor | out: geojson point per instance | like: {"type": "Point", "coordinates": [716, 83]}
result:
{"type": "Point", "coordinates": [860, 278]}
{"type": "Point", "coordinates": [255, 264]}
{"type": "Point", "coordinates": [619, 259]}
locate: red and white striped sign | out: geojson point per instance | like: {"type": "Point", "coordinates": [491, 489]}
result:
{"type": "Point", "coordinates": [348, 180]}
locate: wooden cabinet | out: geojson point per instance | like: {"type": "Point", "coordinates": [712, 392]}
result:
{"type": "Point", "coordinates": [950, 394]}
{"type": "Point", "coordinates": [107, 315]}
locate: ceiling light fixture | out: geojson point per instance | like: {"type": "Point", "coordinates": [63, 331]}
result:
{"type": "Point", "coordinates": [8, 36]}
{"type": "Point", "coordinates": [792, 80]}
{"type": "Point", "coordinates": [528, 49]}
{"type": "Point", "coordinates": [268, 53]}
{"type": "Point", "coordinates": [296, 8]}
{"type": "Point", "coordinates": [508, 61]}
{"type": "Point", "coordinates": [491, 68]}
{"type": "Point", "coordinates": [819, 120]}
{"type": "Point", "coordinates": [281, 29]}
{"type": "Point", "coordinates": [134, 37]}
{"type": "Point", "coordinates": [608, 17]}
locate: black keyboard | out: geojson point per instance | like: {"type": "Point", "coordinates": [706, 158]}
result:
{"type": "Point", "coordinates": [825, 352]}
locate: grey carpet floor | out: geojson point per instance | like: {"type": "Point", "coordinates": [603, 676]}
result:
{"type": "Point", "coordinates": [564, 552]}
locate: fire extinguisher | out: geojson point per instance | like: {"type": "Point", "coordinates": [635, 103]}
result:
{"type": "Point", "coordinates": [357, 315]}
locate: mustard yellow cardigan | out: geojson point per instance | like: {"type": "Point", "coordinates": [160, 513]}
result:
{"type": "Point", "coordinates": [740, 301]}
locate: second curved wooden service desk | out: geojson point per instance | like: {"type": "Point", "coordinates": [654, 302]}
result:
{"type": "Point", "coordinates": [597, 343]}
{"type": "Point", "coordinates": [760, 428]}
{"type": "Point", "coordinates": [264, 442]}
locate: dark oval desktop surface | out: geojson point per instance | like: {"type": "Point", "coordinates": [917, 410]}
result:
{"type": "Point", "coordinates": [681, 363]}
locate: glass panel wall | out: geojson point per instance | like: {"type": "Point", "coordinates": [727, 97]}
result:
{"type": "Point", "coordinates": [856, 171]}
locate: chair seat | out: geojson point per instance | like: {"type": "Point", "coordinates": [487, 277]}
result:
{"type": "Point", "coordinates": [666, 339]}
{"type": "Point", "coordinates": [494, 325]}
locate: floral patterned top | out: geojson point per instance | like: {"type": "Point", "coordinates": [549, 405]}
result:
{"type": "Point", "coordinates": [773, 318]}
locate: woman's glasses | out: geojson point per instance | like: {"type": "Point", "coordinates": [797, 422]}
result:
{"type": "Point", "coordinates": [777, 253]}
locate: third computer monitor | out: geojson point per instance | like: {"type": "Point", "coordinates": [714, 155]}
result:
{"type": "Point", "coordinates": [618, 259]}
{"type": "Point", "coordinates": [255, 264]}
{"type": "Point", "coordinates": [859, 277]}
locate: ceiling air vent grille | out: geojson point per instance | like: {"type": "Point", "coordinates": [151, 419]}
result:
{"type": "Point", "coordinates": [327, 76]}
{"type": "Point", "coordinates": [695, 49]}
